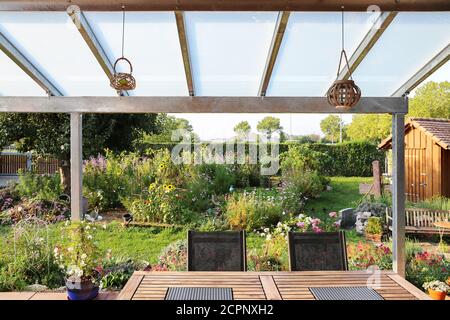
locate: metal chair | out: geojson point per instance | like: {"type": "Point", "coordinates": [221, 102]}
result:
{"type": "Point", "coordinates": [310, 251]}
{"type": "Point", "coordinates": [216, 251]}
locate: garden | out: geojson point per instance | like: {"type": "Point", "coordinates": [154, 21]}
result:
{"type": "Point", "coordinates": [140, 206]}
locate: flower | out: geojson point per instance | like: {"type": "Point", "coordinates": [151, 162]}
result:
{"type": "Point", "coordinates": [301, 224]}
{"type": "Point", "coordinates": [332, 214]}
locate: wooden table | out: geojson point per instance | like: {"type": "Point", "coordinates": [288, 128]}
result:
{"type": "Point", "coordinates": [145, 285]}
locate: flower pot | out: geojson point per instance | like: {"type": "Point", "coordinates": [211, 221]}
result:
{"type": "Point", "coordinates": [373, 237]}
{"type": "Point", "coordinates": [81, 290]}
{"type": "Point", "coordinates": [437, 295]}
{"type": "Point", "coordinates": [127, 218]}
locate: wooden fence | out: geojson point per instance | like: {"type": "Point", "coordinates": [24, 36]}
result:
{"type": "Point", "coordinates": [11, 163]}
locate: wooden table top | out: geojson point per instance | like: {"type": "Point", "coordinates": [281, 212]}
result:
{"type": "Point", "coordinates": [148, 285]}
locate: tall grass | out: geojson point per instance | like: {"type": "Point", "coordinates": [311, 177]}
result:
{"type": "Point", "coordinates": [434, 203]}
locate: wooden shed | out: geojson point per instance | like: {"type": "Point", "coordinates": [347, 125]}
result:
{"type": "Point", "coordinates": [427, 157]}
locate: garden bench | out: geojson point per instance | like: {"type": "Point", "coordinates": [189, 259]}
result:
{"type": "Point", "coordinates": [421, 221]}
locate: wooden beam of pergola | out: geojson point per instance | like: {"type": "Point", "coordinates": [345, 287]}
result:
{"type": "Point", "coordinates": [91, 40]}
{"type": "Point", "coordinates": [369, 40]}
{"type": "Point", "coordinates": [227, 5]}
{"type": "Point", "coordinates": [429, 68]}
{"type": "Point", "coordinates": [184, 44]}
{"type": "Point", "coordinates": [196, 105]}
{"type": "Point", "coordinates": [280, 28]}
{"type": "Point", "coordinates": [29, 68]}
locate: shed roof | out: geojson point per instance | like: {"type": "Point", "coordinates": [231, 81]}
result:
{"type": "Point", "coordinates": [438, 129]}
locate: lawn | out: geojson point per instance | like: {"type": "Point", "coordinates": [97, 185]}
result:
{"type": "Point", "coordinates": [344, 194]}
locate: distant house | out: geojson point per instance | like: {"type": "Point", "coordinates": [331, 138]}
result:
{"type": "Point", "coordinates": [427, 157]}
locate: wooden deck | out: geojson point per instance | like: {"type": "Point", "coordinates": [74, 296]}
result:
{"type": "Point", "coordinates": [266, 285]}
{"type": "Point", "coordinates": [28, 295]}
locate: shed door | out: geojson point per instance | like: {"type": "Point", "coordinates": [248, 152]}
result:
{"type": "Point", "coordinates": [416, 175]}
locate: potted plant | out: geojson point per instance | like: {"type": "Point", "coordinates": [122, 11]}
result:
{"type": "Point", "coordinates": [374, 229]}
{"type": "Point", "coordinates": [79, 258]}
{"type": "Point", "coordinates": [437, 290]}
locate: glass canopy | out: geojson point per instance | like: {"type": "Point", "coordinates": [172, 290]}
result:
{"type": "Point", "coordinates": [228, 52]}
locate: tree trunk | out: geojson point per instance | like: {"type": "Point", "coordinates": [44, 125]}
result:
{"type": "Point", "coordinates": [64, 173]}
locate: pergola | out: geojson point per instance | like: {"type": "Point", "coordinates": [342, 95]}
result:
{"type": "Point", "coordinates": [194, 97]}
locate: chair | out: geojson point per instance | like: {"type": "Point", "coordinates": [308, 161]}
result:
{"type": "Point", "coordinates": [216, 251]}
{"type": "Point", "coordinates": [310, 251]}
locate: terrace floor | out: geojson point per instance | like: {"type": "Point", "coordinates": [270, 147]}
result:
{"type": "Point", "coordinates": [26, 295]}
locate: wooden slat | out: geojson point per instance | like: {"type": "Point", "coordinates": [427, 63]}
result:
{"type": "Point", "coordinates": [130, 288]}
{"type": "Point", "coordinates": [270, 288]}
{"type": "Point", "coordinates": [409, 287]}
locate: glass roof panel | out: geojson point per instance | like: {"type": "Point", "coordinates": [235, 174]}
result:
{"type": "Point", "coordinates": [440, 75]}
{"type": "Point", "coordinates": [309, 54]}
{"type": "Point", "coordinates": [229, 50]}
{"type": "Point", "coordinates": [409, 43]}
{"type": "Point", "coordinates": [52, 43]}
{"type": "Point", "coordinates": [14, 81]}
{"type": "Point", "coordinates": [152, 46]}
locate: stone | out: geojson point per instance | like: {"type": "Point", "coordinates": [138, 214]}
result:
{"type": "Point", "coordinates": [36, 288]}
{"type": "Point", "coordinates": [348, 218]}
{"type": "Point", "coordinates": [361, 221]}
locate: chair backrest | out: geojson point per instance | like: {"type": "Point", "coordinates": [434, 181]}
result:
{"type": "Point", "coordinates": [216, 251]}
{"type": "Point", "coordinates": [310, 251]}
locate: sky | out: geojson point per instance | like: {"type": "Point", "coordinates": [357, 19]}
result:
{"type": "Point", "coordinates": [228, 52]}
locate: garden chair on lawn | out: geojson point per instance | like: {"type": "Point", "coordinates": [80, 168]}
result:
{"type": "Point", "coordinates": [216, 251]}
{"type": "Point", "coordinates": [310, 251]}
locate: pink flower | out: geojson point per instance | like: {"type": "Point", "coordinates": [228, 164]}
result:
{"type": "Point", "coordinates": [337, 224]}
{"type": "Point", "coordinates": [300, 224]}
{"type": "Point", "coordinates": [316, 229]}
{"type": "Point", "coordinates": [332, 214]}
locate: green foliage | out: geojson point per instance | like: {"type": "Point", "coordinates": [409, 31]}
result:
{"type": "Point", "coordinates": [249, 211]}
{"type": "Point", "coordinates": [41, 187]}
{"type": "Point", "coordinates": [374, 225]}
{"type": "Point", "coordinates": [434, 203]}
{"type": "Point", "coordinates": [369, 127]}
{"type": "Point", "coordinates": [242, 129]}
{"type": "Point", "coordinates": [376, 208]}
{"type": "Point", "coordinates": [426, 267]}
{"type": "Point", "coordinates": [432, 100]}
{"type": "Point", "coordinates": [330, 127]}
{"type": "Point", "coordinates": [117, 271]}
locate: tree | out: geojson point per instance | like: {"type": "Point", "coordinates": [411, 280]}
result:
{"type": "Point", "coordinates": [331, 127]}
{"type": "Point", "coordinates": [432, 100]}
{"type": "Point", "coordinates": [242, 129]}
{"type": "Point", "coordinates": [370, 127]}
{"type": "Point", "coordinates": [165, 125]}
{"type": "Point", "coordinates": [269, 125]}
{"type": "Point", "coordinates": [49, 134]}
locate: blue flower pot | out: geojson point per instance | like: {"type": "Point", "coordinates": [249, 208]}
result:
{"type": "Point", "coordinates": [84, 290]}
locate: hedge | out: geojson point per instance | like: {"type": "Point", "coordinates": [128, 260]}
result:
{"type": "Point", "coordinates": [349, 159]}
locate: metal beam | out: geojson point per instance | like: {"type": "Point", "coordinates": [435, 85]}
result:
{"type": "Point", "coordinates": [195, 105]}
{"type": "Point", "coordinates": [76, 166]}
{"type": "Point", "coordinates": [379, 26]}
{"type": "Point", "coordinates": [181, 26]}
{"type": "Point", "coordinates": [431, 66]}
{"type": "Point", "coordinates": [398, 194]}
{"type": "Point", "coordinates": [91, 40]}
{"type": "Point", "coordinates": [29, 68]}
{"type": "Point", "coordinates": [227, 5]}
{"type": "Point", "coordinates": [277, 39]}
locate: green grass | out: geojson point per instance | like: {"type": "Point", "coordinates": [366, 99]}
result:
{"type": "Point", "coordinates": [344, 194]}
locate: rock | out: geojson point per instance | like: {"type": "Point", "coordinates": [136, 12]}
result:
{"type": "Point", "coordinates": [36, 288]}
{"type": "Point", "coordinates": [348, 218]}
{"type": "Point", "coordinates": [361, 221]}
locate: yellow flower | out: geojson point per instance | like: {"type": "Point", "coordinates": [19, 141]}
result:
{"type": "Point", "coordinates": [152, 186]}
{"type": "Point", "coordinates": [162, 166]}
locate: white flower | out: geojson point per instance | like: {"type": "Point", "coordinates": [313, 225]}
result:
{"type": "Point", "coordinates": [263, 234]}
{"type": "Point", "coordinates": [279, 224]}
{"type": "Point", "coordinates": [83, 256]}
{"type": "Point", "coordinates": [104, 226]}
{"type": "Point", "coordinates": [89, 237]}
{"type": "Point", "coordinates": [269, 236]}
{"type": "Point", "coordinates": [266, 230]}
{"type": "Point", "coordinates": [87, 227]}
{"type": "Point", "coordinates": [70, 249]}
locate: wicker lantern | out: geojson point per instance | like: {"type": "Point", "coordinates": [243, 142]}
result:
{"type": "Point", "coordinates": [121, 80]}
{"type": "Point", "coordinates": [343, 94]}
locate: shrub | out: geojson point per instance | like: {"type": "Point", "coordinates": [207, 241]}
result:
{"type": "Point", "coordinates": [377, 209]}
{"type": "Point", "coordinates": [49, 211]}
{"type": "Point", "coordinates": [8, 198]}
{"type": "Point", "coordinates": [45, 187]}
{"type": "Point", "coordinates": [247, 211]}
{"type": "Point", "coordinates": [374, 226]}
{"type": "Point", "coordinates": [117, 271]}
{"type": "Point", "coordinates": [363, 255]}
{"type": "Point", "coordinates": [427, 267]}
{"type": "Point", "coordinates": [174, 257]}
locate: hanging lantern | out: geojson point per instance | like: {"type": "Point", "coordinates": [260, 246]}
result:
{"type": "Point", "coordinates": [343, 94]}
{"type": "Point", "coordinates": [121, 80]}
